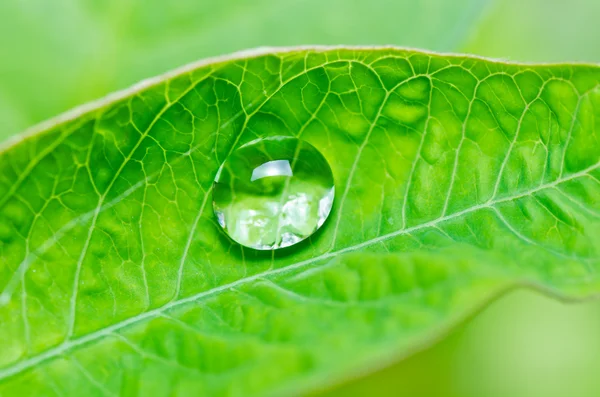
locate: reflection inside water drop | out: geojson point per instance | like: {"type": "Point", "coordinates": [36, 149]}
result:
{"type": "Point", "coordinates": [273, 193]}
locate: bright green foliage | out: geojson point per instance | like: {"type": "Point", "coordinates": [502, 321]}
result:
{"type": "Point", "coordinates": [456, 178]}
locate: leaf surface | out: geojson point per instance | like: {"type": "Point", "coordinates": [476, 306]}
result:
{"type": "Point", "coordinates": [456, 178]}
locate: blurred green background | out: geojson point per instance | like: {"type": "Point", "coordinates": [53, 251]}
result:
{"type": "Point", "coordinates": [56, 54]}
{"type": "Point", "coordinates": [523, 345]}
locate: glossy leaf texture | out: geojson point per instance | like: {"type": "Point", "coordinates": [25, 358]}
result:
{"type": "Point", "coordinates": [456, 178]}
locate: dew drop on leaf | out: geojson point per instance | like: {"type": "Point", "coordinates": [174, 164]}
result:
{"type": "Point", "coordinates": [273, 193]}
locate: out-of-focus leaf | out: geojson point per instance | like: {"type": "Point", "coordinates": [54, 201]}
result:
{"type": "Point", "coordinates": [538, 30]}
{"type": "Point", "coordinates": [523, 345]}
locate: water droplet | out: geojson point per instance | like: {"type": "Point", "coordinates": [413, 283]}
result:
{"type": "Point", "coordinates": [273, 193]}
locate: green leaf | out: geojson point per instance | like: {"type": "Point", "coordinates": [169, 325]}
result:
{"type": "Point", "coordinates": [456, 178]}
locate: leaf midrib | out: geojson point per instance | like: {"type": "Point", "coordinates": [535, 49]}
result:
{"type": "Point", "coordinates": [73, 343]}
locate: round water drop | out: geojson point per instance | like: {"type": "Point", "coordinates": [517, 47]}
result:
{"type": "Point", "coordinates": [273, 193]}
